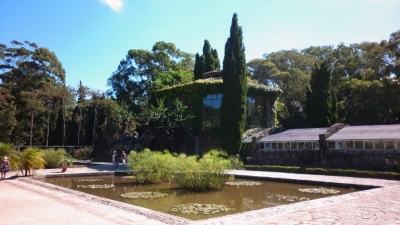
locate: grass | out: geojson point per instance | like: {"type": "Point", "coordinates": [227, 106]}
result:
{"type": "Point", "coordinates": [206, 173]}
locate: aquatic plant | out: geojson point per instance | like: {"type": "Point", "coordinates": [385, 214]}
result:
{"type": "Point", "coordinates": [96, 186]}
{"type": "Point", "coordinates": [207, 173]}
{"type": "Point", "coordinates": [151, 167]}
{"type": "Point", "coordinates": [321, 190]}
{"type": "Point", "coordinates": [196, 208]}
{"type": "Point", "coordinates": [243, 183]}
{"type": "Point", "coordinates": [143, 194]}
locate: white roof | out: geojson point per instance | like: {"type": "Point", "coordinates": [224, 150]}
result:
{"type": "Point", "coordinates": [377, 132]}
{"type": "Point", "coordinates": [306, 134]}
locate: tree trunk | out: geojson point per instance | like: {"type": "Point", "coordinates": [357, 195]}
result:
{"type": "Point", "coordinates": [31, 134]}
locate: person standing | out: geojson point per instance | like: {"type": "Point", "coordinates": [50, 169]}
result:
{"type": "Point", "coordinates": [123, 157]}
{"type": "Point", "coordinates": [115, 159]}
{"type": "Point", "coordinates": [5, 166]}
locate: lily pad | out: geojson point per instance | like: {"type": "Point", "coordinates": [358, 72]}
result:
{"type": "Point", "coordinates": [96, 186]}
{"type": "Point", "coordinates": [148, 194]}
{"type": "Point", "coordinates": [243, 183]}
{"type": "Point", "coordinates": [321, 190]}
{"type": "Point", "coordinates": [196, 208]}
{"type": "Point", "coordinates": [88, 180]}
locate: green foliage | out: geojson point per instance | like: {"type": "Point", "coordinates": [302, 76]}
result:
{"type": "Point", "coordinates": [208, 61]}
{"type": "Point", "coordinates": [164, 122]}
{"type": "Point", "coordinates": [151, 167]}
{"type": "Point", "coordinates": [30, 159]}
{"type": "Point", "coordinates": [6, 149]}
{"type": "Point", "coordinates": [134, 81]}
{"type": "Point", "coordinates": [53, 158]}
{"type": "Point", "coordinates": [82, 153]}
{"type": "Point", "coordinates": [170, 78]}
{"type": "Point", "coordinates": [187, 172]}
{"type": "Point", "coordinates": [233, 105]}
{"type": "Point", "coordinates": [319, 98]}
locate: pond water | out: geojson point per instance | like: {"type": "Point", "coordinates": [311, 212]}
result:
{"type": "Point", "coordinates": [234, 198]}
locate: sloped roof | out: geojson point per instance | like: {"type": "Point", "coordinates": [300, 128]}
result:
{"type": "Point", "coordinates": [306, 134]}
{"type": "Point", "coordinates": [376, 132]}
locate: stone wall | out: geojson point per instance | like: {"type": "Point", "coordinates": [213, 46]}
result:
{"type": "Point", "coordinates": [388, 160]}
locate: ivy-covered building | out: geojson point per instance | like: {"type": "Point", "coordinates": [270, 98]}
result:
{"type": "Point", "coordinates": [203, 98]}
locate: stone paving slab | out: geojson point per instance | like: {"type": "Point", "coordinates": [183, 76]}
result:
{"type": "Point", "coordinates": [379, 205]}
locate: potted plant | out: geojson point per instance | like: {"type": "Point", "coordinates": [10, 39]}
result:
{"type": "Point", "coordinates": [65, 164]}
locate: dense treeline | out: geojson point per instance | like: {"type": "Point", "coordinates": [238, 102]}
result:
{"type": "Point", "coordinates": [363, 81]}
{"type": "Point", "coordinates": [38, 108]}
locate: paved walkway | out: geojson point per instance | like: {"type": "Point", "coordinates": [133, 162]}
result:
{"type": "Point", "coordinates": [28, 201]}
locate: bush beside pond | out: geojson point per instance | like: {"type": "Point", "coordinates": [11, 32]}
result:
{"type": "Point", "coordinates": [194, 173]}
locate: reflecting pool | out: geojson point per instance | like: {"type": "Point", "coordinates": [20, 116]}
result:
{"type": "Point", "coordinates": [234, 198]}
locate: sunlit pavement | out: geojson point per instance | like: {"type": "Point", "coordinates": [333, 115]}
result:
{"type": "Point", "coordinates": [375, 206]}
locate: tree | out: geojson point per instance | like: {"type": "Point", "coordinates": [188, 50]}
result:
{"type": "Point", "coordinates": [208, 61]}
{"type": "Point", "coordinates": [133, 82]}
{"type": "Point", "coordinates": [33, 107]}
{"type": "Point", "coordinates": [26, 68]}
{"type": "Point", "coordinates": [164, 124]}
{"type": "Point", "coordinates": [233, 106]}
{"type": "Point", "coordinates": [319, 98]}
{"type": "Point", "coordinates": [7, 115]}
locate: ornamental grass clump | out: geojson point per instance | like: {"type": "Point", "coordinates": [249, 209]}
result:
{"type": "Point", "coordinates": [53, 158]}
{"type": "Point", "coordinates": [207, 173]}
{"type": "Point", "coordinates": [151, 167]}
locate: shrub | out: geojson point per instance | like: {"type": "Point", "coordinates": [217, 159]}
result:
{"type": "Point", "coordinates": [197, 174]}
{"type": "Point", "coordinates": [207, 173]}
{"type": "Point", "coordinates": [30, 159]}
{"type": "Point", "coordinates": [6, 149]}
{"type": "Point", "coordinates": [151, 167]}
{"type": "Point", "coordinates": [82, 152]}
{"type": "Point", "coordinates": [54, 158]}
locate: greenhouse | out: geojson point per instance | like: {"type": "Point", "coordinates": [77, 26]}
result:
{"type": "Point", "coordinates": [293, 139]}
{"type": "Point", "coordinates": [372, 137]}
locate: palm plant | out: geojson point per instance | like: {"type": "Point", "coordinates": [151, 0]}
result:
{"type": "Point", "coordinates": [6, 149]}
{"type": "Point", "coordinates": [30, 159]}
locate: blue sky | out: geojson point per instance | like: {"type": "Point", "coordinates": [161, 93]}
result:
{"type": "Point", "coordinates": [90, 37]}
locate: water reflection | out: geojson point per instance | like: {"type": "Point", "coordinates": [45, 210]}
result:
{"type": "Point", "coordinates": [241, 198]}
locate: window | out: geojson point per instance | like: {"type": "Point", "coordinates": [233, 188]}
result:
{"type": "Point", "coordinates": [389, 144]}
{"type": "Point", "coordinates": [379, 145]}
{"type": "Point", "coordinates": [286, 145]}
{"type": "Point", "coordinates": [339, 145]}
{"type": "Point", "coordinates": [368, 144]}
{"type": "Point", "coordinates": [211, 107]}
{"type": "Point", "coordinates": [358, 145]}
{"type": "Point", "coordinates": [349, 145]}
{"type": "Point", "coordinates": [307, 145]}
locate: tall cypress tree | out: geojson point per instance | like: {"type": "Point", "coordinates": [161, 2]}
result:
{"type": "Point", "coordinates": [199, 67]}
{"type": "Point", "coordinates": [320, 112]}
{"type": "Point", "coordinates": [233, 106]}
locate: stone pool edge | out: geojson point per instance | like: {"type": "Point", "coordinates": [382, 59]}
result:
{"type": "Point", "coordinates": [239, 218]}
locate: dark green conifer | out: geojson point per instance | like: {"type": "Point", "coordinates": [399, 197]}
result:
{"type": "Point", "coordinates": [233, 106]}
{"type": "Point", "coordinates": [320, 112]}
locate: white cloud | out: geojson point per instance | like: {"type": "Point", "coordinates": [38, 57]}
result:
{"type": "Point", "coordinates": [115, 5]}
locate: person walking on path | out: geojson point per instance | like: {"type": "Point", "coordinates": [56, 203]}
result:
{"type": "Point", "coordinates": [5, 166]}
{"type": "Point", "coordinates": [123, 157]}
{"type": "Point", "coordinates": [115, 159]}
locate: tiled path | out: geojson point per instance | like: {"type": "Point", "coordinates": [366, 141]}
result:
{"type": "Point", "coordinates": [26, 201]}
